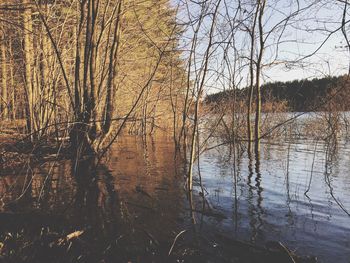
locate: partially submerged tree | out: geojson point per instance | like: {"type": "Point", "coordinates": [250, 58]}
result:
{"type": "Point", "coordinates": [92, 66]}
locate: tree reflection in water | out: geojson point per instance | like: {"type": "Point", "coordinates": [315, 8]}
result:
{"type": "Point", "coordinates": [134, 208]}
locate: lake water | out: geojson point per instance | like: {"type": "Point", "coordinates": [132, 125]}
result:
{"type": "Point", "coordinates": [277, 201]}
{"type": "Point", "coordinates": [141, 195]}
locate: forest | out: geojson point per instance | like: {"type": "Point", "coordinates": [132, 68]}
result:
{"type": "Point", "coordinates": [81, 67]}
{"type": "Point", "coordinates": [297, 95]}
{"type": "Point", "coordinates": [174, 131]}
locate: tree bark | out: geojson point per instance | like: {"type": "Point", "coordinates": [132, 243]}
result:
{"type": "Point", "coordinates": [258, 74]}
{"type": "Point", "coordinates": [29, 63]}
{"type": "Point", "coordinates": [4, 93]}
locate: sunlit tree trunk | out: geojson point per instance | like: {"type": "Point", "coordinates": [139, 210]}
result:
{"type": "Point", "coordinates": [29, 64]}
{"type": "Point", "coordinates": [45, 108]}
{"type": "Point", "coordinates": [93, 108]}
{"type": "Point", "coordinates": [12, 81]}
{"type": "Point", "coordinates": [4, 93]}
{"type": "Point", "coordinates": [112, 73]}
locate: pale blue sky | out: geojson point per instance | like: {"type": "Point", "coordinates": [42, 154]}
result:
{"type": "Point", "coordinates": [331, 59]}
{"type": "Point", "coordinates": [302, 36]}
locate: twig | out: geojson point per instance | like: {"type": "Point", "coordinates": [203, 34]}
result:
{"type": "Point", "coordinates": [177, 236]}
{"type": "Point", "coordinates": [287, 251]}
{"type": "Point", "coordinates": [312, 170]}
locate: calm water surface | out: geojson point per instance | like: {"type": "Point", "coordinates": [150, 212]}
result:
{"type": "Point", "coordinates": [275, 199]}
{"type": "Point", "coordinates": [296, 193]}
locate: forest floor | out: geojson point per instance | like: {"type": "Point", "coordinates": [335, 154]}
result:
{"type": "Point", "coordinates": [11, 157]}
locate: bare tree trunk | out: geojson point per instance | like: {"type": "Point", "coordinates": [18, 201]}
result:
{"type": "Point", "coordinates": [29, 61]}
{"type": "Point", "coordinates": [258, 73]}
{"type": "Point", "coordinates": [112, 73]}
{"type": "Point", "coordinates": [199, 94]}
{"type": "Point", "coordinates": [92, 66]}
{"type": "Point", "coordinates": [187, 103]}
{"type": "Point", "coordinates": [251, 84]}
{"type": "Point", "coordinates": [45, 108]}
{"type": "Point", "coordinates": [4, 94]}
{"type": "Point", "coordinates": [12, 81]}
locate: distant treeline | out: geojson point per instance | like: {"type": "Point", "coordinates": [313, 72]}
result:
{"type": "Point", "coordinates": [298, 95]}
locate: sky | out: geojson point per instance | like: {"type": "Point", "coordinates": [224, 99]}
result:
{"type": "Point", "coordinates": [302, 36]}
{"type": "Point", "coordinates": [333, 56]}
